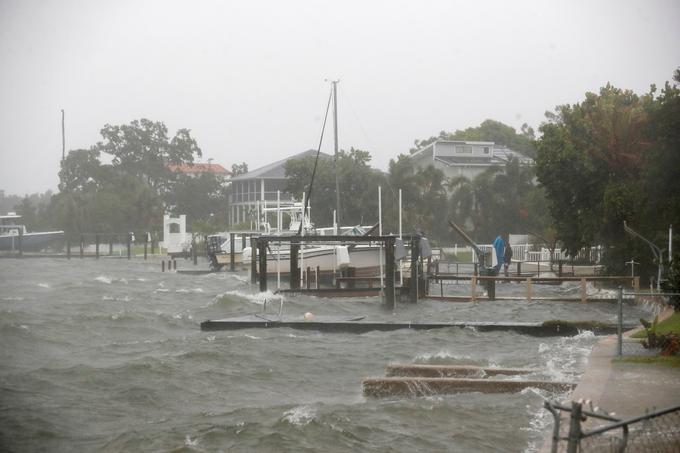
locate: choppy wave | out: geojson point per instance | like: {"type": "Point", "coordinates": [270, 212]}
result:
{"type": "Point", "coordinates": [256, 298]}
{"type": "Point", "coordinates": [299, 415]}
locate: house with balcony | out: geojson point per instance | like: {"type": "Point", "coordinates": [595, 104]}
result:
{"type": "Point", "coordinates": [265, 184]}
{"type": "Point", "coordinates": [469, 159]}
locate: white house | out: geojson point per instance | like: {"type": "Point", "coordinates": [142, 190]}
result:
{"type": "Point", "coordinates": [463, 158]}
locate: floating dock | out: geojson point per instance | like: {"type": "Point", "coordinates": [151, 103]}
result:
{"type": "Point", "coordinates": [361, 325]}
{"type": "Point", "coordinates": [414, 380]}
{"type": "Point", "coordinates": [423, 386]}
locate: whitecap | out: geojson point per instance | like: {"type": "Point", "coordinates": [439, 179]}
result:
{"type": "Point", "coordinates": [252, 337]}
{"type": "Point", "coordinates": [104, 279]}
{"type": "Point", "coordinates": [299, 415]}
{"type": "Point", "coordinates": [257, 298]}
{"type": "Point", "coordinates": [441, 355]}
{"type": "Point", "coordinates": [192, 290]}
{"type": "Point", "coordinates": [43, 285]}
{"type": "Point", "coordinates": [189, 442]}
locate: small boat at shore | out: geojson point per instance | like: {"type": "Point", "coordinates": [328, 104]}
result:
{"type": "Point", "coordinates": [15, 237]}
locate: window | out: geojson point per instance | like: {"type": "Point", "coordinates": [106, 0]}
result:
{"type": "Point", "coordinates": [464, 149]}
{"type": "Point", "coordinates": [486, 150]}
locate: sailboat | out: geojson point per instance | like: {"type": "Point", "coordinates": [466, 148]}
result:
{"type": "Point", "coordinates": [364, 259]}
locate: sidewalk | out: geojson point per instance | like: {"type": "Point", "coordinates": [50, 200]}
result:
{"type": "Point", "coordinates": [624, 389]}
{"type": "Point", "coordinates": [628, 389]}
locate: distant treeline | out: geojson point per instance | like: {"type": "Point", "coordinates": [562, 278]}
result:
{"type": "Point", "coordinates": [611, 157]}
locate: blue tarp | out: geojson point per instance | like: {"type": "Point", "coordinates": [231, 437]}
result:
{"type": "Point", "coordinates": [499, 247]}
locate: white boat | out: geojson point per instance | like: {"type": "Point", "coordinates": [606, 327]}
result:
{"type": "Point", "coordinates": [14, 235]}
{"type": "Point", "coordinates": [324, 258]}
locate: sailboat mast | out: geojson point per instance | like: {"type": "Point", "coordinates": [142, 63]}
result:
{"type": "Point", "coordinates": [335, 134]}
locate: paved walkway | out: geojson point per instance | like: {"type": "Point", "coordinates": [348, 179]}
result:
{"type": "Point", "coordinates": [626, 389]}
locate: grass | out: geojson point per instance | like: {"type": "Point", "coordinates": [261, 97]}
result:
{"type": "Point", "coordinates": [671, 361]}
{"type": "Point", "coordinates": [668, 325]}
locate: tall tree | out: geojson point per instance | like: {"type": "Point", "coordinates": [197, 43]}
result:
{"type": "Point", "coordinates": [143, 149]}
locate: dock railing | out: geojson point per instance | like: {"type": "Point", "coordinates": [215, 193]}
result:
{"type": "Point", "coordinates": [658, 430]}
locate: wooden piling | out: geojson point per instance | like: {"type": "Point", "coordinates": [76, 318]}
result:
{"type": "Point", "coordinates": [162, 265]}
{"type": "Point", "coordinates": [529, 289]}
{"type": "Point", "coordinates": [146, 244]}
{"type": "Point", "coordinates": [174, 264]}
{"type": "Point", "coordinates": [294, 269]}
{"type": "Point", "coordinates": [253, 260]}
{"type": "Point", "coordinates": [21, 242]}
{"type": "Point", "coordinates": [262, 252]}
{"type": "Point", "coordinates": [68, 248]}
{"type": "Point", "coordinates": [232, 251]}
{"type": "Point", "coordinates": [82, 246]}
{"type": "Point", "coordinates": [129, 246]}
{"type": "Point", "coordinates": [111, 244]}
{"type": "Point", "coordinates": [584, 291]}
{"type": "Point", "coordinates": [316, 276]}
{"type": "Point", "coordinates": [415, 254]}
{"type": "Point", "coordinates": [308, 282]}
{"type": "Point", "coordinates": [491, 289]}
{"type": "Point", "coordinates": [389, 273]}
{"type": "Point", "coordinates": [153, 245]}
{"type": "Point", "coordinates": [96, 246]}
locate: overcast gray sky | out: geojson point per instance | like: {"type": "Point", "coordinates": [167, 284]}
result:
{"type": "Point", "coordinates": [247, 77]}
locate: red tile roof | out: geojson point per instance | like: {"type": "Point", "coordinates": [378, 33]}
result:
{"type": "Point", "coordinates": [199, 168]}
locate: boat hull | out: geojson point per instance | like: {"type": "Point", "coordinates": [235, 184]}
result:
{"type": "Point", "coordinates": [29, 241]}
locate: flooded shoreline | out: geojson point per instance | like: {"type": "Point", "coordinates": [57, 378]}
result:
{"type": "Point", "coordinates": [108, 355]}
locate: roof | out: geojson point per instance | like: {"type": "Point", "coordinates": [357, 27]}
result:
{"type": "Point", "coordinates": [277, 170]}
{"type": "Point", "coordinates": [216, 169]}
{"type": "Point", "coordinates": [499, 156]}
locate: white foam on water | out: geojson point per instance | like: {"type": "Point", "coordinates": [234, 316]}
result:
{"type": "Point", "coordinates": [252, 337]}
{"type": "Point", "coordinates": [562, 357]}
{"type": "Point", "coordinates": [117, 299]}
{"type": "Point", "coordinates": [43, 285]}
{"type": "Point", "coordinates": [104, 279]}
{"type": "Point", "coordinates": [299, 415]}
{"type": "Point", "coordinates": [240, 278]}
{"type": "Point", "coordinates": [257, 298]}
{"type": "Point", "coordinates": [161, 290]}
{"type": "Point", "coordinates": [189, 442]}
{"type": "Point", "coordinates": [189, 290]}
{"type": "Point", "coordinates": [442, 355]}
{"type": "Point", "coordinates": [13, 298]}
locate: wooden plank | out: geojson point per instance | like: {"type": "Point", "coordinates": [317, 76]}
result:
{"type": "Point", "coordinates": [420, 386]}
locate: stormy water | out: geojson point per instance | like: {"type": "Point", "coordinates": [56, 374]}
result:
{"type": "Point", "coordinates": [108, 355]}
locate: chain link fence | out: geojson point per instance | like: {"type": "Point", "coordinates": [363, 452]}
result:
{"type": "Point", "coordinates": [579, 429]}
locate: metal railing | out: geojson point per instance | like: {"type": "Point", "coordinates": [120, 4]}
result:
{"type": "Point", "coordinates": [657, 431]}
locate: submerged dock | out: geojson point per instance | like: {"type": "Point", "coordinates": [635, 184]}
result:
{"type": "Point", "coordinates": [361, 325]}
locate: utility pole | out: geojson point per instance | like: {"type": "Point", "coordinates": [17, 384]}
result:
{"type": "Point", "coordinates": [63, 137]}
{"type": "Point", "coordinates": [335, 131]}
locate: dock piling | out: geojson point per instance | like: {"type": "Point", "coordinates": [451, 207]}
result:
{"type": "Point", "coordinates": [96, 246]}
{"type": "Point", "coordinates": [253, 260]}
{"type": "Point", "coordinates": [232, 249]}
{"type": "Point", "coordinates": [262, 252]}
{"type": "Point", "coordinates": [415, 254]}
